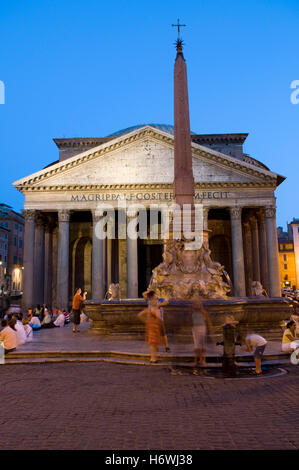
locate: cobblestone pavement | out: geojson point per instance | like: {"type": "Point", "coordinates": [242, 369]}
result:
{"type": "Point", "coordinates": [110, 406]}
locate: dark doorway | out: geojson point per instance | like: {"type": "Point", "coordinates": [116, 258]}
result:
{"type": "Point", "coordinates": [149, 256]}
{"type": "Point", "coordinates": [220, 247]}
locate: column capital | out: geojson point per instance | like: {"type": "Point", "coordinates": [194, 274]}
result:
{"type": "Point", "coordinates": [50, 223]}
{"type": "Point", "coordinates": [64, 215]}
{"type": "Point", "coordinates": [253, 221]}
{"type": "Point", "coordinates": [205, 211]}
{"type": "Point", "coordinates": [235, 212]}
{"type": "Point", "coordinates": [132, 213]}
{"type": "Point", "coordinates": [261, 215]}
{"type": "Point", "coordinates": [270, 212]}
{"type": "Point", "coordinates": [49, 227]}
{"type": "Point", "coordinates": [29, 214]}
{"type": "Point", "coordinates": [96, 215]}
{"type": "Point", "coordinates": [40, 220]}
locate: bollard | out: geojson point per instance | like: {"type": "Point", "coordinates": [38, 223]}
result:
{"type": "Point", "coordinates": [229, 365]}
{"type": "Point", "coordinates": [2, 360]}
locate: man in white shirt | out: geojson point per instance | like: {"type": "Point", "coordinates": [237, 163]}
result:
{"type": "Point", "coordinates": [259, 343]}
{"type": "Point", "coordinates": [8, 336]}
{"type": "Point", "coordinates": [60, 319]}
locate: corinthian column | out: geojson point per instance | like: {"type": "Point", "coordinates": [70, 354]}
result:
{"type": "Point", "coordinates": [27, 299]}
{"type": "Point", "coordinates": [63, 259]}
{"type": "Point", "coordinates": [237, 252]}
{"type": "Point", "coordinates": [248, 257]}
{"type": "Point", "coordinates": [97, 282]}
{"type": "Point", "coordinates": [39, 260]}
{"type": "Point", "coordinates": [255, 249]}
{"type": "Point", "coordinates": [132, 259]}
{"type": "Point", "coordinates": [272, 250]}
{"type": "Point", "coordinates": [263, 249]}
{"type": "Point", "coordinates": [48, 265]}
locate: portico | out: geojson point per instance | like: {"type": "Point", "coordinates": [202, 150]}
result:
{"type": "Point", "coordinates": [62, 249]}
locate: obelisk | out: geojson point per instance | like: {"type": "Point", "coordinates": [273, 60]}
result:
{"type": "Point", "coordinates": [187, 268]}
{"type": "Point", "coordinates": [183, 173]}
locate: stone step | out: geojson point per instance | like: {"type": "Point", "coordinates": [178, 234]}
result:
{"type": "Point", "coordinates": [131, 358]}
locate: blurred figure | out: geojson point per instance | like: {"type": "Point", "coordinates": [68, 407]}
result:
{"type": "Point", "coordinates": [17, 325]}
{"type": "Point", "coordinates": [67, 317]}
{"type": "Point", "coordinates": [42, 312]}
{"type": "Point", "coordinates": [34, 323]}
{"type": "Point", "coordinates": [60, 319]}
{"type": "Point", "coordinates": [37, 310]}
{"type": "Point", "coordinates": [201, 326]}
{"type": "Point", "coordinates": [8, 336]}
{"type": "Point", "coordinates": [83, 317]}
{"type": "Point", "coordinates": [47, 321]}
{"type": "Point", "coordinates": [150, 296]}
{"type": "Point", "coordinates": [77, 302]}
{"type": "Point", "coordinates": [28, 330]}
{"type": "Point", "coordinates": [151, 317]}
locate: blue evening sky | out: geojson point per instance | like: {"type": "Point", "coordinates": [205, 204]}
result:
{"type": "Point", "coordinates": [75, 68]}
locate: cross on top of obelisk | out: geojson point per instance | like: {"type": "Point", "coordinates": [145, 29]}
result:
{"type": "Point", "coordinates": [178, 26]}
{"type": "Point", "coordinates": [179, 42]}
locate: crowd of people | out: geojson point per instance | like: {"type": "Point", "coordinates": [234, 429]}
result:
{"type": "Point", "coordinates": [17, 329]}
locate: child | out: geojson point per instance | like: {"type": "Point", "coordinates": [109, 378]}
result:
{"type": "Point", "coordinates": [259, 343]}
{"type": "Point", "coordinates": [153, 327]}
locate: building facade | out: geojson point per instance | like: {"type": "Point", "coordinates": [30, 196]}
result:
{"type": "Point", "coordinates": [289, 255]}
{"type": "Point", "coordinates": [136, 166]}
{"type": "Point", "coordinates": [295, 229]}
{"type": "Point", "coordinates": [12, 225]}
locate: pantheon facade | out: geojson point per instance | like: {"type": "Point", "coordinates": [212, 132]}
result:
{"type": "Point", "coordinates": [62, 250]}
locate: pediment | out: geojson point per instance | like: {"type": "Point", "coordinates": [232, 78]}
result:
{"type": "Point", "coordinates": [144, 156]}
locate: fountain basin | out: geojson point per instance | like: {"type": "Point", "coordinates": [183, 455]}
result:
{"type": "Point", "coordinates": [259, 315]}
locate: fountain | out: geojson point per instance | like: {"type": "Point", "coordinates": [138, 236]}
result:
{"type": "Point", "coordinates": [188, 270]}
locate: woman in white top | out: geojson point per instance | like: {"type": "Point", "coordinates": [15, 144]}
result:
{"type": "Point", "coordinates": [60, 319]}
{"type": "Point", "coordinates": [19, 329]}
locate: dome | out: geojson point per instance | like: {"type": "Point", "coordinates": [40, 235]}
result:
{"type": "Point", "coordinates": [162, 127]}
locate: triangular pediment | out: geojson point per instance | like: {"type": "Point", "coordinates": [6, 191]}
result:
{"type": "Point", "coordinates": [144, 156]}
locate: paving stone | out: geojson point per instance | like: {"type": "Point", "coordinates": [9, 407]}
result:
{"type": "Point", "coordinates": [113, 406]}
